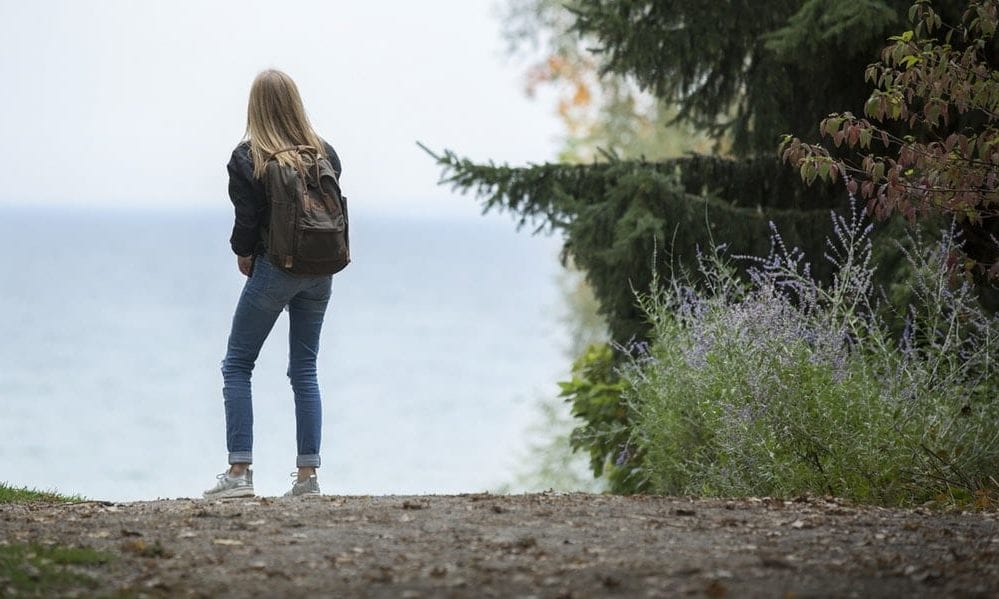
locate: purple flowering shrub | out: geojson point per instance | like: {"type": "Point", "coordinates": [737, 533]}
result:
{"type": "Point", "coordinates": [782, 385]}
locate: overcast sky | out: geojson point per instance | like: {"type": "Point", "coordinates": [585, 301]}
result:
{"type": "Point", "coordinates": [132, 103]}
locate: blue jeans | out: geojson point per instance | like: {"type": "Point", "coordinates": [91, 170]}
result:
{"type": "Point", "coordinates": [266, 293]}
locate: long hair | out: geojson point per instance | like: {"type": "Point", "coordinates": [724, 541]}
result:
{"type": "Point", "coordinates": [275, 119]}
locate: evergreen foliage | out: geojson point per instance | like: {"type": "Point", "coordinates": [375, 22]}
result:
{"type": "Point", "coordinates": [753, 70]}
{"type": "Point", "coordinates": [626, 220]}
{"type": "Point", "coordinates": [601, 111]}
{"type": "Point", "coordinates": [741, 71]}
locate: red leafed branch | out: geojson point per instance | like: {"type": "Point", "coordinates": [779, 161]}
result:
{"type": "Point", "coordinates": [934, 82]}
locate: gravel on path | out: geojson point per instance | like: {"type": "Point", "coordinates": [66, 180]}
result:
{"type": "Point", "coordinates": [542, 545]}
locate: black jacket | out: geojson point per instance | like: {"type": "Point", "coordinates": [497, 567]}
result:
{"type": "Point", "coordinates": [249, 201]}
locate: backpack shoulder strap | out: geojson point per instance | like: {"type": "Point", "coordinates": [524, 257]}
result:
{"type": "Point", "coordinates": [297, 149]}
{"type": "Point", "coordinates": [310, 151]}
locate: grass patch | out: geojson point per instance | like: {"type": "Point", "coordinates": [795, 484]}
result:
{"type": "Point", "coordinates": [43, 571]}
{"type": "Point", "coordinates": [11, 494]}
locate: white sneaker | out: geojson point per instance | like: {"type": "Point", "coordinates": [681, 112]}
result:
{"type": "Point", "coordinates": [299, 488]}
{"type": "Point", "coordinates": [232, 486]}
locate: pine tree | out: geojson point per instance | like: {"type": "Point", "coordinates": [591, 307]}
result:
{"type": "Point", "coordinates": [748, 71]}
{"type": "Point", "coordinates": [600, 111]}
{"type": "Point", "coordinates": [751, 69]}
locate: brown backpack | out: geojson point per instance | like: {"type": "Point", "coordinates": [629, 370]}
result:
{"type": "Point", "coordinates": [308, 229]}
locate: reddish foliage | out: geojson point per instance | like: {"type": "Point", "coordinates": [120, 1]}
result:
{"type": "Point", "coordinates": [935, 87]}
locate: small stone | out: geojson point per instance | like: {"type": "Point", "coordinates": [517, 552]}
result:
{"type": "Point", "coordinates": [438, 571]}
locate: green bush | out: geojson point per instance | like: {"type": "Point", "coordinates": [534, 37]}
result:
{"type": "Point", "coordinates": [782, 386]}
{"type": "Point", "coordinates": [596, 393]}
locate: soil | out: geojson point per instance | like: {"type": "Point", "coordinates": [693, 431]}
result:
{"type": "Point", "coordinates": [543, 545]}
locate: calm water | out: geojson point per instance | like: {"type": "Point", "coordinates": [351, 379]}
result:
{"type": "Point", "coordinates": [439, 340]}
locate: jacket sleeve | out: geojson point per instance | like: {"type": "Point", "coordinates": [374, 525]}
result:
{"type": "Point", "coordinates": [334, 159]}
{"type": "Point", "coordinates": [246, 195]}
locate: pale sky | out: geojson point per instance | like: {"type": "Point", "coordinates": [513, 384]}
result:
{"type": "Point", "coordinates": [139, 103]}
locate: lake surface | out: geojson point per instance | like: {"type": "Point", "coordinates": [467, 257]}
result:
{"type": "Point", "coordinates": [440, 338]}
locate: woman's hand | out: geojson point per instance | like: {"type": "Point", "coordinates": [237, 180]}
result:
{"type": "Point", "coordinates": [245, 264]}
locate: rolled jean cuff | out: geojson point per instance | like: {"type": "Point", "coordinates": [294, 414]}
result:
{"type": "Point", "coordinates": [308, 461]}
{"type": "Point", "coordinates": [240, 457]}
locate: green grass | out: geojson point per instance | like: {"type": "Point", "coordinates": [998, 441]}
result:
{"type": "Point", "coordinates": [11, 494]}
{"type": "Point", "coordinates": [34, 570]}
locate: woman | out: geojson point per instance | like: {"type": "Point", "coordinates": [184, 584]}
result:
{"type": "Point", "coordinates": [275, 119]}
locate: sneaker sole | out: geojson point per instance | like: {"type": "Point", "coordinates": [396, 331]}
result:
{"type": "Point", "coordinates": [230, 493]}
{"type": "Point", "coordinates": [315, 494]}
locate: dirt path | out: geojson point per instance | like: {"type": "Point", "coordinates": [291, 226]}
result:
{"type": "Point", "coordinates": [547, 545]}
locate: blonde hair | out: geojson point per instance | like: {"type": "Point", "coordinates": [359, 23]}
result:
{"type": "Point", "coordinates": [276, 119]}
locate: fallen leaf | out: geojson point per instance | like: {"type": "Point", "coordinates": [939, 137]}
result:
{"type": "Point", "coordinates": [141, 548]}
{"type": "Point", "coordinates": [775, 562]}
{"type": "Point", "coordinates": [716, 590]}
